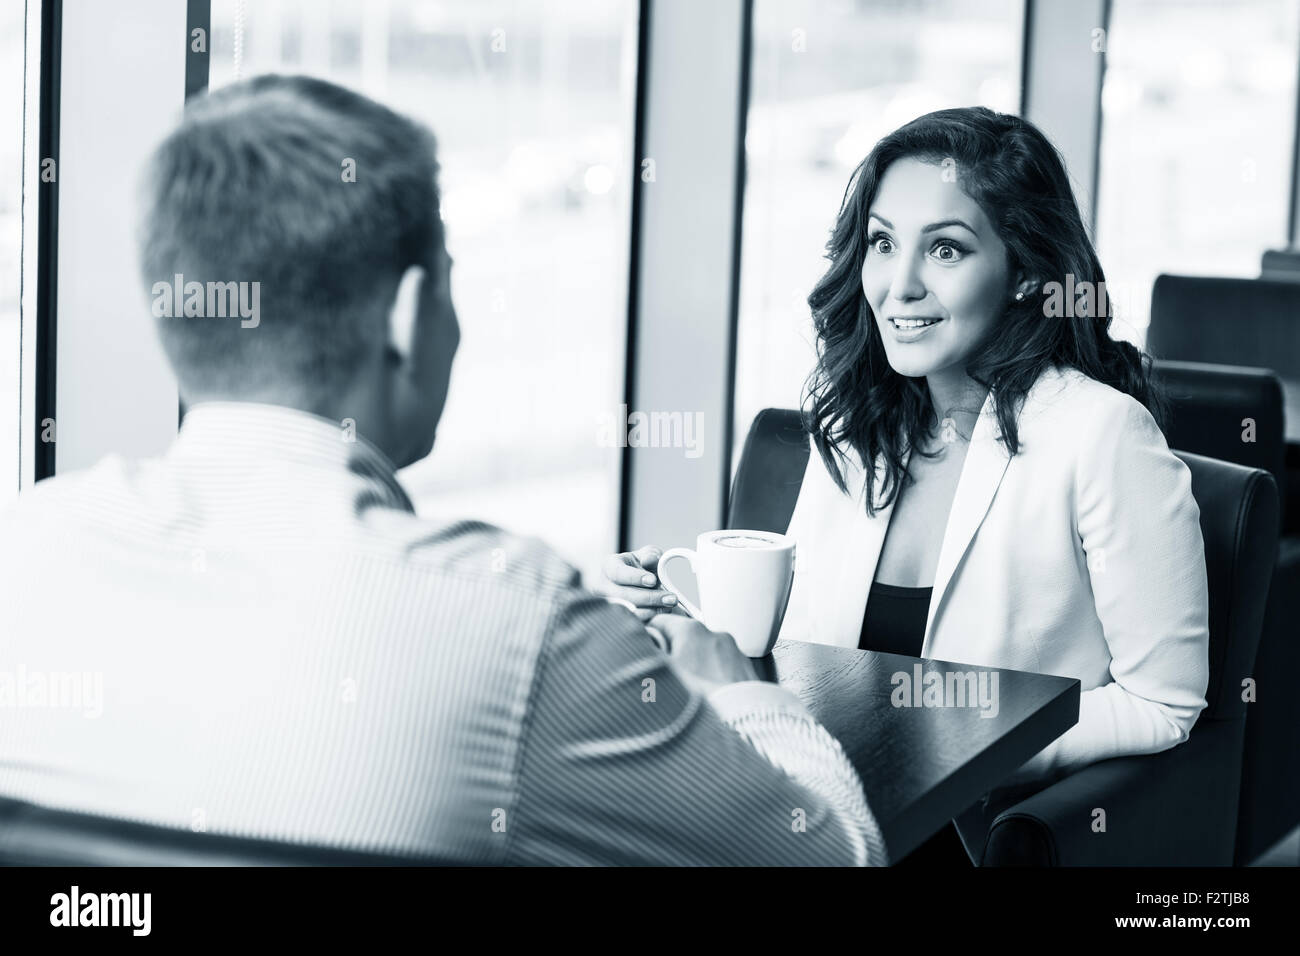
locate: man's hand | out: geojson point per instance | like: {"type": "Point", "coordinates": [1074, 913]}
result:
{"type": "Point", "coordinates": [705, 659]}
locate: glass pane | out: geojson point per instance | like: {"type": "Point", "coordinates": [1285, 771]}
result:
{"type": "Point", "coordinates": [829, 80]}
{"type": "Point", "coordinates": [533, 107]}
{"type": "Point", "coordinates": [1198, 113]}
{"type": "Point", "coordinates": [11, 239]}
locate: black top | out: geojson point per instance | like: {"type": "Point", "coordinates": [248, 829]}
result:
{"type": "Point", "coordinates": [895, 619]}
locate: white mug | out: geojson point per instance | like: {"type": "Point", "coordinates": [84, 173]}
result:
{"type": "Point", "coordinates": [744, 579]}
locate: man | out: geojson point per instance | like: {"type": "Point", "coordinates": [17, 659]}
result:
{"type": "Point", "coordinates": [284, 649]}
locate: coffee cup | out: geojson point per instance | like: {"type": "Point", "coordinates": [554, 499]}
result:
{"type": "Point", "coordinates": [744, 580]}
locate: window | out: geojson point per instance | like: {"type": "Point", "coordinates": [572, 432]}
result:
{"type": "Point", "coordinates": [1198, 114]}
{"type": "Point", "coordinates": [828, 80]}
{"type": "Point", "coordinates": [11, 238]}
{"type": "Point", "coordinates": [533, 107]}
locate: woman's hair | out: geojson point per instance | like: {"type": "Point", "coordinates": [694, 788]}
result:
{"type": "Point", "coordinates": [1010, 168]}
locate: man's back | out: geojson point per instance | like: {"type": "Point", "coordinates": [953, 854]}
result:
{"type": "Point", "coordinates": [255, 635]}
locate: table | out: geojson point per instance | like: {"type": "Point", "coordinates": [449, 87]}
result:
{"type": "Point", "coordinates": [921, 766]}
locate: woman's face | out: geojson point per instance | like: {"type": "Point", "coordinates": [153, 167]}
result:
{"type": "Point", "coordinates": [932, 254]}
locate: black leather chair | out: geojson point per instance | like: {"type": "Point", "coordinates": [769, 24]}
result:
{"type": "Point", "coordinates": [1252, 323]}
{"type": "Point", "coordinates": [32, 835]}
{"type": "Point", "coordinates": [772, 464]}
{"type": "Point", "coordinates": [1178, 807]}
{"type": "Point", "coordinates": [1209, 403]}
{"type": "Point", "coordinates": [1247, 325]}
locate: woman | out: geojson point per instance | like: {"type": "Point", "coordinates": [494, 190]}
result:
{"type": "Point", "coordinates": [1042, 523]}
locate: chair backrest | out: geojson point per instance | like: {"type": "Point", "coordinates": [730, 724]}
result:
{"type": "Point", "coordinates": [1254, 323]}
{"type": "Point", "coordinates": [1209, 404]}
{"type": "Point", "coordinates": [32, 835]}
{"type": "Point", "coordinates": [1248, 322]}
{"type": "Point", "coordinates": [770, 473]}
{"type": "Point", "coordinates": [1239, 525]}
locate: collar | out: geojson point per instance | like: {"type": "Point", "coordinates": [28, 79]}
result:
{"type": "Point", "coordinates": [225, 431]}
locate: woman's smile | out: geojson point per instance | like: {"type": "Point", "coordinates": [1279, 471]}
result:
{"type": "Point", "coordinates": [910, 329]}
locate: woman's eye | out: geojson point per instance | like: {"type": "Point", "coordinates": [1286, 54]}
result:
{"type": "Point", "coordinates": [948, 252]}
{"type": "Point", "coordinates": [882, 245]}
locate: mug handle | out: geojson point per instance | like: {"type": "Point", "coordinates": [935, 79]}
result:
{"type": "Point", "coordinates": [682, 599]}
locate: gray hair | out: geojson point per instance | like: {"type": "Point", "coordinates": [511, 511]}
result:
{"type": "Point", "coordinates": [319, 196]}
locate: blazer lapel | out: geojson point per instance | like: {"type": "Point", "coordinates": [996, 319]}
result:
{"type": "Point", "coordinates": [861, 540]}
{"type": "Point", "coordinates": [986, 463]}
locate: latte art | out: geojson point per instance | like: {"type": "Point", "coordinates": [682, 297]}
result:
{"type": "Point", "coordinates": [744, 541]}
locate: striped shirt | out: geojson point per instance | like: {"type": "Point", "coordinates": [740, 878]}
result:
{"type": "Point", "coordinates": [255, 635]}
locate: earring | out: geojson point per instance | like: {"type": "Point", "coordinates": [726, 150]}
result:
{"type": "Point", "coordinates": [1020, 297]}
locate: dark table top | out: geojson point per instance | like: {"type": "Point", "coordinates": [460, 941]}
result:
{"type": "Point", "coordinates": [922, 766]}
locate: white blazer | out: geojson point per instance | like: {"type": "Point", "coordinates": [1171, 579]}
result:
{"type": "Point", "coordinates": [1080, 556]}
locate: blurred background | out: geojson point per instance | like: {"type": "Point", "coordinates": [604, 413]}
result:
{"type": "Point", "coordinates": [532, 104]}
{"type": "Point", "coordinates": [11, 239]}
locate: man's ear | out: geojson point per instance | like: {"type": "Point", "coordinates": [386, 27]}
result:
{"type": "Point", "coordinates": [405, 312]}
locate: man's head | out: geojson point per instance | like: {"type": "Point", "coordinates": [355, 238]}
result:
{"type": "Point", "coordinates": [321, 207]}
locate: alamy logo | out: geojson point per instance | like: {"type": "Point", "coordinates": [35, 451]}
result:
{"type": "Point", "coordinates": [651, 430]}
{"type": "Point", "coordinates": [68, 690]}
{"type": "Point", "coordinates": [210, 300]}
{"type": "Point", "coordinates": [103, 909]}
{"type": "Point", "coordinates": [946, 689]}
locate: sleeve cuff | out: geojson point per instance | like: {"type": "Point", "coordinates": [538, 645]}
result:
{"type": "Point", "coordinates": [734, 701]}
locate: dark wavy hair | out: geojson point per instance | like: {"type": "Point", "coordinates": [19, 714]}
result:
{"type": "Point", "coordinates": [855, 399]}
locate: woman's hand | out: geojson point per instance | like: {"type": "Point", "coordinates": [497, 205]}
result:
{"type": "Point", "coordinates": [631, 576]}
